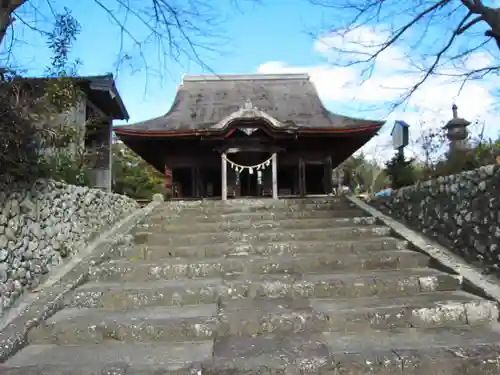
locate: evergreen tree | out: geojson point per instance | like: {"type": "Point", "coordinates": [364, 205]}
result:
{"type": "Point", "coordinates": [400, 171]}
{"type": "Point", "coordinates": [133, 176]}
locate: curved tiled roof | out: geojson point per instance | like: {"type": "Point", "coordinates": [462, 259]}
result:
{"type": "Point", "coordinates": [202, 102]}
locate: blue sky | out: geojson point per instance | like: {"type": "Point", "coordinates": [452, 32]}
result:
{"type": "Point", "coordinates": [274, 32]}
{"type": "Point", "coordinates": [271, 37]}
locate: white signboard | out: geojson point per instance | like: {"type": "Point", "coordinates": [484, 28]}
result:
{"type": "Point", "coordinates": [400, 134]}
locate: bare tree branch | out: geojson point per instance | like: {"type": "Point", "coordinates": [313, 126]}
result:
{"type": "Point", "coordinates": [176, 30]}
{"type": "Point", "coordinates": [435, 38]}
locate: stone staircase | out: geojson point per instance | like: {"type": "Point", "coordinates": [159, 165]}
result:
{"type": "Point", "coordinates": [265, 287]}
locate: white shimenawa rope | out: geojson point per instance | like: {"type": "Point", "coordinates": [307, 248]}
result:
{"type": "Point", "coordinates": [239, 167]}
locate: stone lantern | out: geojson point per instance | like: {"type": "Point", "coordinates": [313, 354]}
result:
{"type": "Point", "coordinates": [456, 131]}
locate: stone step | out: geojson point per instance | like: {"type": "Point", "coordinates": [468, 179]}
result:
{"type": "Point", "coordinates": [129, 295]}
{"type": "Point", "coordinates": [77, 326]}
{"type": "Point", "coordinates": [256, 202]}
{"type": "Point", "coordinates": [259, 316]}
{"type": "Point", "coordinates": [187, 217]}
{"type": "Point", "coordinates": [110, 358]}
{"type": "Point", "coordinates": [444, 351]}
{"type": "Point", "coordinates": [447, 308]}
{"type": "Point", "coordinates": [407, 351]}
{"type": "Point", "coordinates": [382, 283]}
{"type": "Point", "coordinates": [360, 247]}
{"type": "Point", "coordinates": [242, 264]}
{"type": "Point", "coordinates": [318, 235]}
{"type": "Point", "coordinates": [245, 206]}
{"type": "Point", "coordinates": [164, 226]}
{"type": "Point", "coordinates": [260, 286]}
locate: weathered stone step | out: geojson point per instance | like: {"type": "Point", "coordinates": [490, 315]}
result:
{"type": "Point", "coordinates": [449, 308]}
{"type": "Point", "coordinates": [156, 226]}
{"type": "Point", "coordinates": [408, 351]}
{"type": "Point", "coordinates": [318, 235]}
{"type": "Point", "coordinates": [93, 326]}
{"type": "Point", "coordinates": [110, 358]}
{"type": "Point", "coordinates": [128, 295]}
{"type": "Point", "coordinates": [244, 206]}
{"type": "Point", "coordinates": [209, 217]}
{"type": "Point", "coordinates": [243, 264]}
{"type": "Point", "coordinates": [383, 283]}
{"type": "Point", "coordinates": [254, 356]}
{"type": "Point", "coordinates": [441, 351]}
{"type": "Point", "coordinates": [360, 247]}
{"type": "Point", "coordinates": [263, 315]}
{"type": "Point", "coordinates": [255, 202]}
{"type": "Point", "coordinates": [259, 316]}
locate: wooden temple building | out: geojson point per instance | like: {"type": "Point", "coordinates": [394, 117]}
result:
{"type": "Point", "coordinates": [91, 115]}
{"type": "Point", "coordinates": [248, 136]}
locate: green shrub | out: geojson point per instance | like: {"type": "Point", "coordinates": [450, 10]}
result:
{"type": "Point", "coordinates": [401, 172]}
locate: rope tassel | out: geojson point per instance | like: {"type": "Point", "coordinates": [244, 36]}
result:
{"type": "Point", "coordinates": [240, 168]}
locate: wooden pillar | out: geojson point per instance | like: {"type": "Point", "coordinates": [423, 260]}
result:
{"type": "Point", "coordinates": [169, 190]}
{"type": "Point", "coordinates": [302, 177]}
{"type": "Point", "coordinates": [275, 175]}
{"type": "Point", "coordinates": [237, 185]}
{"type": "Point", "coordinates": [193, 182]}
{"type": "Point", "coordinates": [299, 176]}
{"type": "Point", "coordinates": [304, 185]}
{"type": "Point", "coordinates": [110, 156]}
{"type": "Point", "coordinates": [328, 175]}
{"type": "Point", "coordinates": [199, 182]}
{"type": "Point", "coordinates": [224, 176]}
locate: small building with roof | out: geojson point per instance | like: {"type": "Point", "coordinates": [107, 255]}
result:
{"type": "Point", "coordinates": [248, 135]}
{"type": "Point", "coordinates": [92, 113]}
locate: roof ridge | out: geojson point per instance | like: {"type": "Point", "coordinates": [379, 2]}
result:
{"type": "Point", "coordinates": [244, 77]}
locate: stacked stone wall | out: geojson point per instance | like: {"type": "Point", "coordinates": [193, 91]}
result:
{"type": "Point", "coordinates": [45, 224]}
{"type": "Point", "coordinates": [460, 211]}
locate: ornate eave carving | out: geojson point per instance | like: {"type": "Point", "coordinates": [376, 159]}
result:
{"type": "Point", "coordinates": [247, 111]}
{"type": "Point", "coordinates": [248, 131]}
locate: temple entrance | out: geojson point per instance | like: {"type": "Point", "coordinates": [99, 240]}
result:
{"type": "Point", "coordinates": [287, 180]}
{"type": "Point", "coordinates": [183, 182]}
{"type": "Point", "coordinates": [315, 179]}
{"type": "Point", "coordinates": [211, 185]}
{"type": "Point", "coordinates": [249, 186]}
{"type": "Point", "coordinates": [248, 173]}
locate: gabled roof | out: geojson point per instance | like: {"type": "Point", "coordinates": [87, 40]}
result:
{"type": "Point", "coordinates": [208, 103]}
{"type": "Point", "coordinates": [101, 89]}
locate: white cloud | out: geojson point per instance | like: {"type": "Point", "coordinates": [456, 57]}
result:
{"type": "Point", "coordinates": [330, 83]}
{"type": "Point", "coordinates": [360, 44]}
{"type": "Point", "coordinates": [429, 107]}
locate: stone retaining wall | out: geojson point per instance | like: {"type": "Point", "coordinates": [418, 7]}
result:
{"type": "Point", "coordinates": [41, 226]}
{"type": "Point", "coordinates": [460, 211]}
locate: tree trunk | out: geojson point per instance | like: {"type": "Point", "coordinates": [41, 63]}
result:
{"type": "Point", "coordinates": [7, 7]}
{"type": "Point", "coordinates": [492, 18]}
{"type": "Point", "coordinates": [4, 23]}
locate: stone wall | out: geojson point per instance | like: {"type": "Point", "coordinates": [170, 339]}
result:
{"type": "Point", "coordinates": [460, 211]}
{"type": "Point", "coordinates": [43, 225]}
